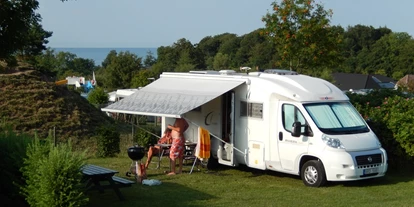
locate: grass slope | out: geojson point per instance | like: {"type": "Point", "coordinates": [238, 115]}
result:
{"type": "Point", "coordinates": [31, 104]}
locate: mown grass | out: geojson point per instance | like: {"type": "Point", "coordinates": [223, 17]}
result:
{"type": "Point", "coordinates": [247, 187]}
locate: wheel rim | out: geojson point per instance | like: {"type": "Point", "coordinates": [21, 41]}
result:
{"type": "Point", "coordinates": [311, 175]}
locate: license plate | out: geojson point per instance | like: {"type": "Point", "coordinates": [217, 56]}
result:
{"type": "Point", "coordinates": [370, 171]}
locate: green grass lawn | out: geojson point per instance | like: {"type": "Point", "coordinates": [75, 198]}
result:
{"type": "Point", "coordinates": [247, 187]}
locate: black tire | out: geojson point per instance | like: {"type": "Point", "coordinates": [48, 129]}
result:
{"type": "Point", "coordinates": [313, 173]}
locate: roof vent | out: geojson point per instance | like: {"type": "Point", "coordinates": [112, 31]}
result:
{"type": "Point", "coordinates": [227, 72]}
{"type": "Point", "coordinates": [204, 72]}
{"type": "Point", "coordinates": [280, 72]}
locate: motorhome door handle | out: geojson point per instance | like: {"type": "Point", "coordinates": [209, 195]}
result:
{"type": "Point", "coordinates": [280, 136]}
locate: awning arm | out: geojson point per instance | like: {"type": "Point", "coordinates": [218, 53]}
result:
{"type": "Point", "coordinates": [140, 113]}
{"type": "Point", "coordinates": [145, 130]}
{"type": "Point", "coordinates": [215, 136]}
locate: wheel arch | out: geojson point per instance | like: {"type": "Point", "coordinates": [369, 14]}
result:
{"type": "Point", "coordinates": [306, 158]}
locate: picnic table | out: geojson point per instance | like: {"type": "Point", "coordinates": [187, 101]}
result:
{"type": "Point", "coordinates": [100, 178]}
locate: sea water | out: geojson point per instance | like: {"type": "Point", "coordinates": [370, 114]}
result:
{"type": "Point", "coordinates": [99, 54]}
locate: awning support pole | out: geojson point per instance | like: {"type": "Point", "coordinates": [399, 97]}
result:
{"type": "Point", "coordinates": [215, 136]}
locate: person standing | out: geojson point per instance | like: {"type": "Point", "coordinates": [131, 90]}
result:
{"type": "Point", "coordinates": [178, 142]}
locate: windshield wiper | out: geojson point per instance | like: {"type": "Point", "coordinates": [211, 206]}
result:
{"type": "Point", "coordinates": [344, 130]}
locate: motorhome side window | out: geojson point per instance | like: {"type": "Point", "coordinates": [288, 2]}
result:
{"type": "Point", "coordinates": [290, 115]}
{"type": "Point", "coordinates": [254, 110]}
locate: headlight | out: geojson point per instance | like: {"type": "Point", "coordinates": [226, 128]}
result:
{"type": "Point", "coordinates": [332, 142]}
{"type": "Point", "coordinates": [378, 142]}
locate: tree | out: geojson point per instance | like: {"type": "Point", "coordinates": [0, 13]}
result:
{"type": "Point", "coordinates": [142, 78]}
{"type": "Point", "coordinates": [149, 60]}
{"type": "Point", "coordinates": [119, 69]}
{"type": "Point", "coordinates": [247, 42]}
{"type": "Point", "coordinates": [63, 64]}
{"type": "Point", "coordinates": [36, 40]}
{"type": "Point", "coordinates": [302, 34]}
{"type": "Point", "coordinates": [393, 52]}
{"type": "Point", "coordinates": [221, 61]}
{"type": "Point", "coordinates": [181, 56]}
{"type": "Point", "coordinates": [20, 28]}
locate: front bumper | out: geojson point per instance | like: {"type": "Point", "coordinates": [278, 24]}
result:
{"type": "Point", "coordinates": [344, 166]}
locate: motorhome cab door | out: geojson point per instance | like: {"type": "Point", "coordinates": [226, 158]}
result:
{"type": "Point", "coordinates": [225, 152]}
{"type": "Point", "coordinates": [290, 148]}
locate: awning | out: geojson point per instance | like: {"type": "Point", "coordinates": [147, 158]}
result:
{"type": "Point", "coordinates": [172, 96]}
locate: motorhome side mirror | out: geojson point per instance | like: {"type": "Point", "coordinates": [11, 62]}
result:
{"type": "Point", "coordinates": [296, 129]}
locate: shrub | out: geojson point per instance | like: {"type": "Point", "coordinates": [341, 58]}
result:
{"type": "Point", "coordinates": [391, 116]}
{"type": "Point", "coordinates": [53, 175]}
{"type": "Point", "coordinates": [145, 135]}
{"type": "Point", "coordinates": [98, 96]}
{"type": "Point", "coordinates": [108, 141]}
{"type": "Point", "coordinates": [12, 152]}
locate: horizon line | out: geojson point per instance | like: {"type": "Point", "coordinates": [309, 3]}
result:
{"type": "Point", "coordinates": [102, 47]}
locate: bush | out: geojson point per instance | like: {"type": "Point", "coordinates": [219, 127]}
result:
{"type": "Point", "coordinates": [12, 152]}
{"type": "Point", "coordinates": [391, 116]}
{"type": "Point", "coordinates": [146, 139]}
{"type": "Point", "coordinates": [108, 141]}
{"type": "Point", "coordinates": [53, 175]}
{"type": "Point", "coordinates": [98, 96]}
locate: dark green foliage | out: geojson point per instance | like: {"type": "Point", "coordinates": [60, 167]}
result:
{"type": "Point", "coordinates": [107, 141]}
{"type": "Point", "coordinates": [143, 78]}
{"type": "Point", "coordinates": [391, 116]}
{"type": "Point", "coordinates": [53, 175]}
{"type": "Point", "coordinates": [119, 69]}
{"type": "Point", "coordinates": [98, 96]}
{"type": "Point", "coordinates": [149, 60]}
{"type": "Point", "coordinates": [63, 64]}
{"type": "Point", "coordinates": [21, 29]}
{"type": "Point", "coordinates": [12, 152]}
{"type": "Point", "coordinates": [146, 139]}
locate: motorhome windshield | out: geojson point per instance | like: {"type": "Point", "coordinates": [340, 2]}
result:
{"type": "Point", "coordinates": [336, 118]}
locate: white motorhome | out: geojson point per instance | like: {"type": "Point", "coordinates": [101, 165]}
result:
{"type": "Point", "coordinates": [273, 120]}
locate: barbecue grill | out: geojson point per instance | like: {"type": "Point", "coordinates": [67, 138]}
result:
{"type": "Point", "coordinates": [136, 153]}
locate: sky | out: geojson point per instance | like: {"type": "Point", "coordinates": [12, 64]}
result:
{"type": "Point", "coordinates": [154, 23]}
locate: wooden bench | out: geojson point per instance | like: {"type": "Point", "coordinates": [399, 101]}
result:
{"type": "Point", "coordinates": [122, 181]}
{"type": "Point", "coordinates": [94, 176]}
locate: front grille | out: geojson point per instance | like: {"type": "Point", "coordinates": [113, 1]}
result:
{"type": "Point", "coordinates": [368, 166]}
{"type": "Point", "coordinates": [368, 159]}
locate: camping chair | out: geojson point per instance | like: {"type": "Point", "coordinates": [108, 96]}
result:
{"type": "Point", "coordinates": [202, 151]}
{"type": "Point", "coordinates": [189, 152]}
{"type": "Point", "coordinates": [164, 150]}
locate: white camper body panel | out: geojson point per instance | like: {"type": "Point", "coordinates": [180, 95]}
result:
{"type": "Point", "coordinates": [261, 141]}
{"type": "Point", "coordinates": [251, 124]}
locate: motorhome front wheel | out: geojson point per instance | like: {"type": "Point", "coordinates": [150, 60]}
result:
{"type": "Point", "coordinates": [313, 173]}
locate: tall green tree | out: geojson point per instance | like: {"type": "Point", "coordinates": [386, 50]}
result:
{"type": "Point", "coordinates": [393, 52]}
{"type": "Point", "coordinates": [63, 64]}
{"type": "Point", "coordinates": [20, 28]}
{"type": "Point", "coordinates": [143, 78]}
{"type": "Point", "coordinates": [149, 60]}
{"type": "Point", "coordinates": [221, 61]}
{"type": "Point", "coordinates": [119, 69]}
{"type": "Point", "coordinates": [357, 39]}
{"type": "Point", "coordinates": [302, 34]}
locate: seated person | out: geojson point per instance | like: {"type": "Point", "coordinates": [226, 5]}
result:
{"type": "Point", "coordinates": [155, 150]}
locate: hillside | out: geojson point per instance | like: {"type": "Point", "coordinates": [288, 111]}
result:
{"type": "Point", "coordinates": [30, 103]}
